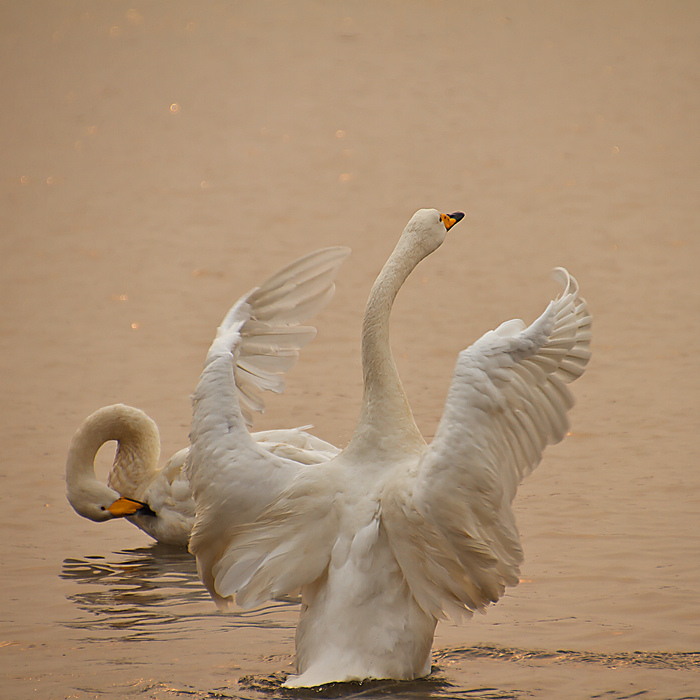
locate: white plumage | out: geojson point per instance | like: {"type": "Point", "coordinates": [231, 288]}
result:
{"type": "Point", "coordinates": [159, 501]}
{"type": "Point", "coordinates": [392, 534]}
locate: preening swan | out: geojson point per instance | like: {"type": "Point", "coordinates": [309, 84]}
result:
{"type": "Point", "coordinates": [393, 534]}
{"type": "Point", "coordinates": [159, 501]}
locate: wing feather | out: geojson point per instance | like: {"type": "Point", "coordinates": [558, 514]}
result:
{"type": "Point", "coordinates": [288, 546]}
{"type": "Point", "coordinates": [233, 477]}
{"type": "Point", "coordinates": [452, 527]}
{"type": "Point", "coordinates": [266, 343]}
{"type": "Point", "coordinates": [262, 330]}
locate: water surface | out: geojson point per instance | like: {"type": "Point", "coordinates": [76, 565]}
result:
{"type": "Point", "coordinates": [160, 159]}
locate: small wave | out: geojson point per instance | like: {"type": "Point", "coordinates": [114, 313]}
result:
{"type": "Point", "coordinates": [673, 660]}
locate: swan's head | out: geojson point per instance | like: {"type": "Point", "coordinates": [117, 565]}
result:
{"type": "Point", "coordinates": [98, 502]}
{"type": "Point", "coordinates": [428, 227]}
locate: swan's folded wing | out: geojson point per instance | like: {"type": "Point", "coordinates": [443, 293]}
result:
{"type": "Point", "coordinates": [296, 444]}
{"type": "Point", "coordinates": [287, 547]}
{"type": "Point", "coordinates": [263, 329]}
{"type": "Point", "coordinates": [453, 532]}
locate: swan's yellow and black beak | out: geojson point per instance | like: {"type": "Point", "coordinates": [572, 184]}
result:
{"type": "Point", "coordinates": [451, 219]}
{"type": "Point", "coordinates": [128, 506]}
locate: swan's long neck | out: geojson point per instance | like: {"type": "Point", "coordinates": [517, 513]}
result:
{"type": "Point", "coordinates": [386, 419]}
{"type": "Point", "coordinates": [137, 452]}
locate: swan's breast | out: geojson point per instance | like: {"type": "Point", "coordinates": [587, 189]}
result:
{"type": "Point", "coordinates": [360, 620]}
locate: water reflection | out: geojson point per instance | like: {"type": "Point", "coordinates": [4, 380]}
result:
{"type": "Point", "coordinates": [148, 593]}
{"type": "Point", "coordinates": [433, 687]}
{"type": "Point", "coordinates": [270, 687]}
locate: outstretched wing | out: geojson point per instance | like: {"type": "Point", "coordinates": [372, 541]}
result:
{"type": "Point", "coordinates": [453, 530]}
{"type": "Point", "coordinates": [233, 478]}
{"type": "Point", "coordinates": [263, 329]}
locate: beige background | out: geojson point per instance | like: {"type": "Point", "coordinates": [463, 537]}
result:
{"type": "Point", "coordinates": [159, 159]}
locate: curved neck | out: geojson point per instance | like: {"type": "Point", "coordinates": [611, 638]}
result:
{"type": "Point", "coordinates": [386, 413]}
{"type": "Point", "coordinates": [137, 453]}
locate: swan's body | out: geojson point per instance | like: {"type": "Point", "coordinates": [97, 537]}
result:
{"type": "Point", "coordinates": [392, 534]}
{"type": "Point", "coordinates": [159, 501]}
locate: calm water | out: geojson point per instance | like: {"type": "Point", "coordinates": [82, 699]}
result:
{"type": "Point", "coordinates": [160, 159]}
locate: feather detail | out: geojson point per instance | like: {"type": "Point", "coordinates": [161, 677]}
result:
{"type": "Point", "coordinates": [234, 477]}
{"type": "Point", "coordinates": [454, 535]}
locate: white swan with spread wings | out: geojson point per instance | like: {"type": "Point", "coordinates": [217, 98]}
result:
{"type": "Point", "coordinates": [159, 501]}
{"type": "Point", "coordinates": [392, 534]}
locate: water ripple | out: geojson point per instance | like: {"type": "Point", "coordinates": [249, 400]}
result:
{"type": "Point", "coordinates": [672, 660]}
{"type": "Point", "coordinates": [148, 592]}
{"type": "Point", "coordinates": [154, 593]}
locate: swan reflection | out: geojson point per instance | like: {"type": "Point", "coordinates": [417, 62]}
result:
{"type": "Point", "coordinates": [420, 689]}
{"type": "Point", "coordinates": [149, 592]}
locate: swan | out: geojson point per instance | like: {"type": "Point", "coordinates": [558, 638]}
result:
{"type": "Point", "coordinates": [159, 501]}
{"type": "Point", "coordinates": [393, 534]}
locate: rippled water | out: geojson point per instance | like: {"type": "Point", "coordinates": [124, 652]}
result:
{"type": "Point", "coordinates": [662, 660]}
{"type": "Point", "coordinates": [153, 594]}
{"type": "Point", "coordinates": [148, 593]}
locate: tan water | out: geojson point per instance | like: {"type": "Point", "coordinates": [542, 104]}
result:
{"type": "Point", "coordinates": [159, 159]}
